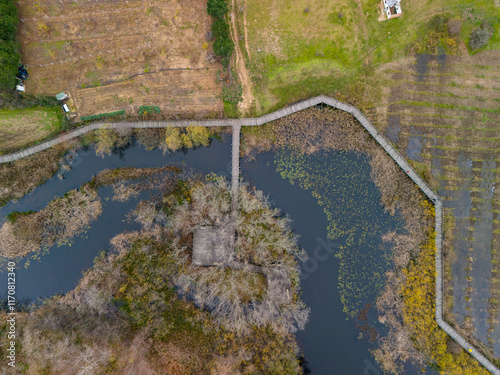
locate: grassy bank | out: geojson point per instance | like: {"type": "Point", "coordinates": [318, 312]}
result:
{"type": "Point", "coordinates": [305, 48]}
{"type": "Point", "coordinates": [20, 128]}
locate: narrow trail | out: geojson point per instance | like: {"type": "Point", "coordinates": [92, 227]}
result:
{"type": "Point", "coordinates": [363, 27]}
{"type": "Point", "coordinates": [246, 31]}
{"type": "Point", "coordinates": [246, 83]}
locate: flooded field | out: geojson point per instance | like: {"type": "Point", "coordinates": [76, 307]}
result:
{"type": "Point", "coordinates": [442, 113]}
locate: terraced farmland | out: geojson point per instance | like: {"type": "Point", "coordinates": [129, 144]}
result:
{"type": "Point", "coordinates": [443, 113]}
{"type": "Point", "coordinates": [121, 54]}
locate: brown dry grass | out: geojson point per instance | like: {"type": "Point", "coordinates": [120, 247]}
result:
{"type": "Point", "coordinates": [22, 176]}
{"type": "Point", "coordinates": [61, 220]}
{"type": "Point", "coordinates": [21, 127]}
{"type": "Point", "coordinates": [121, 55]}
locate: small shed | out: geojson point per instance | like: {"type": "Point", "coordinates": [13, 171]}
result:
{"type": "Point", "coordinates": [61, 96]}
{"type": "Point", "coordinates": [211, 246]}
{"type": "Point", "coordinates": [279, 285]}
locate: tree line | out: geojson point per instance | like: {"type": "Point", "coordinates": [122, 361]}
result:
{"type": "Point", "coordinates": [223, 45]}
{"type": "Point", "coordinates": [9, 47]}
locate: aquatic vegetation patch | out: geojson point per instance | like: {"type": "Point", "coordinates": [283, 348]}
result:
{"type": "Point", "coordinates": [342, 184]}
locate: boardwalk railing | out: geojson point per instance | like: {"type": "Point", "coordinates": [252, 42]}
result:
{"type": "Point", "coordinates": [238, 123]}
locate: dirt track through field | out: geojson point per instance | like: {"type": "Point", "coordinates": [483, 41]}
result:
{"type": "Point", "coordinates": [246, 31]}
{"type": "Point", "coordinates": [248, 98]}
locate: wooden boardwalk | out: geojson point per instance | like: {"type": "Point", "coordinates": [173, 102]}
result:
{"type": "Point", "coordinates": [236, 124]}
{"type": "Point", "coordinates": [235, 169]}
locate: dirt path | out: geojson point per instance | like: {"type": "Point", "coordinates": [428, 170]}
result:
{"type": "Point", "coordinates": [248, 97]}
{"type": "Point", "coordinates": [363, 27]}
{"type": "Point", "coordinates": [246, 30]}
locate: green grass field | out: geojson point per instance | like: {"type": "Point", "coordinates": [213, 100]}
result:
{"type": "Point", "coordinates": [22, 127]}
{"type": "Point", "coordinates": [297, 49]}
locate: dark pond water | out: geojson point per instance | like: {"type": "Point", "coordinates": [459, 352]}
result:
{"type": "Point", "coordinates": [330, 342]}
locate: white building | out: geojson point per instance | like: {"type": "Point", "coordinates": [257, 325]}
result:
{"type": "Point", "coordinates": [392, 8]}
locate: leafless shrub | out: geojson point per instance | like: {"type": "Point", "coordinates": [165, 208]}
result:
{"type": "Point", "coordinates": [243, 294]}
{"type": "Point", "coordinates": [480, 36]}
{"type": "Point", "coordinates": [150, 138]}
{"type": "Point", "coordinates": [454, 26]}
{"type": "Point", "coordinates": [122, 192]}
{"type": "Point", "coordinates": [109, 139]}
{"type": "Point", "coordinates": [147, 214]}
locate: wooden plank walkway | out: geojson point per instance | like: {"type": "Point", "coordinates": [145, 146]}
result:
{"type": "Point", "coordinates": [235, 169]}
{"type": "Point", "coordinates": [236, 124]}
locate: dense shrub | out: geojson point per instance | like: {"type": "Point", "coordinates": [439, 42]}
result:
{"type": "Point", "coordinates": [220, 29]}
{"type": "Point", "coordinates": [9, 60]}
{"type": "Point", "coordinates": [145, 109]}
{"type": "Point", "coordinates": [480, 36]}
{"type": "Point", "coordinates": [103, 116]}
{"type": "Point", "coordinates": [8, 20]}
{"type": "Point", "coordinates": [14, 100]}
{"type": "Point", "coordinates": [223, 48]}
{"type": "Point", "coordinates": [217, 8]}
{"type": "Point", "coordinates": [223, 45]}
{"type": "Point", "coordinates": [9, 55]}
